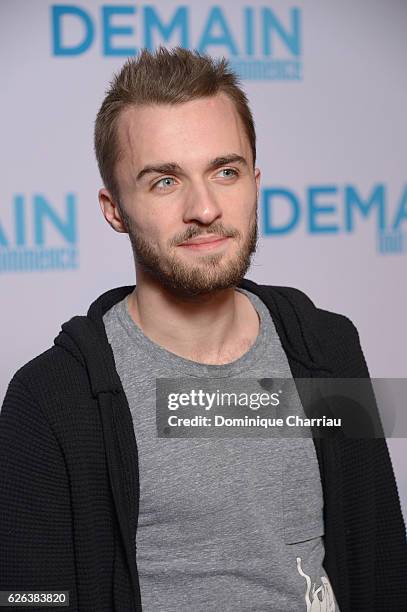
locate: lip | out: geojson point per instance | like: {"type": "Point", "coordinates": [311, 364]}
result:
{"type": "Point", "coordinates": [204, 242]}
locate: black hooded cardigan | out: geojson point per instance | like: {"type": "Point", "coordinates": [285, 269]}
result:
{"type": "Point", "coordinates": [69, 488]}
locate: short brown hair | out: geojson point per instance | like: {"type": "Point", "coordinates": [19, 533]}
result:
{"type": "Point", "coordinates": [163, 77]}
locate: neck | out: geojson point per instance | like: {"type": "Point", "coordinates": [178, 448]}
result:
{"type": "Point", "coordinates": [215, 328]}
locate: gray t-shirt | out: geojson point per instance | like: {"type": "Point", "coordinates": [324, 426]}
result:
{"type": "Point", "coordinates": [224, 524]}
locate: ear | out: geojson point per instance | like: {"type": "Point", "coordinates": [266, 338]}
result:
{"type": "Point", "coordinates": [111, 211]}
{"type": "Point", "coordinates": [257, 175]}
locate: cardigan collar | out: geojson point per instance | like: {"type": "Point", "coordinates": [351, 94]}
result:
{"type": "Point", "coordinates": [85, 336]}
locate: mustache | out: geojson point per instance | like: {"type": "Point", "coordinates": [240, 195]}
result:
{"type": "Point", "coordinates": [194, 231]}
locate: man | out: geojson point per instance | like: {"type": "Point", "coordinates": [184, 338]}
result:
{"type": "Point", "coordinates": [93, 501]}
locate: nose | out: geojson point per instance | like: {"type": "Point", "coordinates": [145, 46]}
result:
{"type": "Point", "coordinates": [201, 205]}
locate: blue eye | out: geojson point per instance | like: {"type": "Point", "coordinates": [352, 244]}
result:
{"type": "Point", "coordinates": [162, 183]}
{"type": "Point", "coordinates": [231, 172]}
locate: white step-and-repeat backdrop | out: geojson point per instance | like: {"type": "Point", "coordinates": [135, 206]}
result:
{"type": "Point", "coordinates": [327, 83]}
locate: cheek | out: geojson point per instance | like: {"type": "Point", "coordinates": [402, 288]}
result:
{"type": "Point", "coordinates": [242, 208]}
{"type": "Point", "coordinates": [144, 219]}
{"type": "Point", "coordinates": [157, 227]}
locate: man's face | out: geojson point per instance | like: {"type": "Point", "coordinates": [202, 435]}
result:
{"type": "Point", "coordinates": [188, 193]}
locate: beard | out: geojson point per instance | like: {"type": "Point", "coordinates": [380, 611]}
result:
{"type": "Point", "coordinates": [203, 274]}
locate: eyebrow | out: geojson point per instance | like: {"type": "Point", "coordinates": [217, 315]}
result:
{"type": "Point", "coordinates": [173, 167]}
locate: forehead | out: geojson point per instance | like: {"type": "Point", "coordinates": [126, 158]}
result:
{"type": "Point", "coordinates": [187, 133]}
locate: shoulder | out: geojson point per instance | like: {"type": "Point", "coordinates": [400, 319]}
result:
{"type": "Point", "coordinates": [327, 321]}
{"type": "Point", "coordinates": [329, 337]}
{"type": "Point", "coordinates": [53, 374]}
{"type": "Point", "coordinates": [289, 301]}
{"type": "Point", "coordinates": [296, 300]}
{"type": "Point", "coordinates": [335, 334]}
